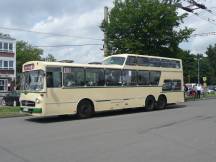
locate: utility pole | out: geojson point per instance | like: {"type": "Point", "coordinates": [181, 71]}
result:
{"type": "Point", "coordinates": [106, 50]}
{"type": "Point", "coordinates": [198, 68]}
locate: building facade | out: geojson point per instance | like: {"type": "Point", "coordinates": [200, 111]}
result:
{"type": "Point", "coordinates": [7, 63]}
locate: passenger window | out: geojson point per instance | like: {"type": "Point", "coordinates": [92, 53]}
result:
{"type": "Point", "coordinates": [95, 77]}
{"type": "Point", "coordinates": [143, 78]}
{"type": "Point", "coordinates": [143, 61]}
{"type": "Point", "coordinates": [176, 85]}
{"type": "Point", "coordinates": [165, 63]}
{"type": "Point", "coordinates": [113, 77]}
{"type": "Point", "coordinates": [53, 77]}
{"type": "Point", "coordinates": [131, 60]}
{"type": "Point", "coordinates": [167, 86]}
{"type": "Point", "coordinates": [177, 64]}
{"type": "Point", "coordinates": [154, 77]}
{"type": "Point", "coordinates": [154, 62]}
{"type": "Point", "coordinates": [129, 77]}
{"type": "Point", "coordinates": [172, 85]}
{"type": "Point", "coordinates": [73, 77]}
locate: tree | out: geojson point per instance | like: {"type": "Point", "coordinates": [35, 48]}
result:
{"type": "Point", "coordinates": [211, 53]}
{"type": "Point", "coordinates": [189, 65]}
{"type": "Point", "coordinates": [145, 27]}
{"type": "Point", "coordinates": [26, 52]}
{"type": "Point", "coordinates": [49, 58]}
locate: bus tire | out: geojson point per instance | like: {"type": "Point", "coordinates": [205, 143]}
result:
{"type": "Point", "coordinates": [150, 103]}
{"type": "Point", "coordinates": [162, 102]}
{"type": "Point", "coordinates": [85, 109]}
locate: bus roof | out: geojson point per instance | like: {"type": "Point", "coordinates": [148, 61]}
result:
{"type": "Point", "coordinates": [43, 64]}
{"type": "Point", "coordinates": [126, 55]}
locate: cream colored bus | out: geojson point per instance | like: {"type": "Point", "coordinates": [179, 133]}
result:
{"type": "Point", "coordinates": [122, 81]}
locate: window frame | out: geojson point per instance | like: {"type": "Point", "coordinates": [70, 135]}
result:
{"type": "Point", "coordinates": [1, 46]}
{"type": "Point", "coordinates": [4, 67]}
{"type": "Point", "coordinates": [51, 71]}
{"type": "Point", "coordinates": [136, 78]}
{"type": "Point", "coordinates": [75, 86]}
{"type": "Point", "coordinates": [94, 68]}
{"type": "Point", "coordinates": [172, 89]}
{"type": "Point", "coordinates": [5, 49]}
{"type": "Point", "coordinates": [106, 77]}
{"type": "Point", "coordinates": [10, 45]}
{"type": "Point", "coordinates": [128, 61]}
{"type": "Point", "coordinates": [10, 67]}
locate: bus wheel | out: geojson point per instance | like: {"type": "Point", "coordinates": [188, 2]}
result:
{"type": "Point", "coordinates": [150, 103]}
{"type": "Point", "coordinates": [162, 102]}
{"type": "Point", "coordinates": [85, 109]}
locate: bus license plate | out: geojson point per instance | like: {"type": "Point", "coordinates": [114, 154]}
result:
{"type": "Point", "coordinates": [25, 109]}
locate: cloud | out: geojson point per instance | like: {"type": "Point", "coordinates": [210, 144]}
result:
{"type": "Point", "coordinates": [82, 25]}
{"type": "Point", "coordinates": [82, 18]}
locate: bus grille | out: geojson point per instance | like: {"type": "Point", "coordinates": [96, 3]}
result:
{"type": "Point", "coordinates": [28, 103]}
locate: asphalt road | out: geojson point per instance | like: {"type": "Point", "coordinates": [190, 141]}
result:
{"type": "Point", "coordinates": [182, 133]}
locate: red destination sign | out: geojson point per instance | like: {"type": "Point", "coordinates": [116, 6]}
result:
{"type": "Point", "coordinates": [28, 67]}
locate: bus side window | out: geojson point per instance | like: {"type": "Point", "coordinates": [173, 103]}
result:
{"type": "Point", "coordinates": [95, 77]}
{"type": "Point", "coordinates": [154, 77]}
{"type": "Point", "coordinates": [131, 60]}
{"type": "Point", "coordinates": [53, 77]}
{"type": "Point", "coordinates": [74, 77]}
{"type": "Point", "coordinates": [143, 78]}
{"type": "Point", "coordinates": [113, 77]}
{"type": "Point", "coordinates": [167, 86]}
{"type": "Point", "coordinates": [129, 77]}
{"type": "Point", "coordinates": [176, 85]}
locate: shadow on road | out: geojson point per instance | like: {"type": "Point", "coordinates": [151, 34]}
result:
{"type": "Point", "coordinates": [64, 118]}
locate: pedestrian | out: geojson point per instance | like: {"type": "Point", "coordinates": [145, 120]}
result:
{"type": "Point", "coordinates": [199, 89]}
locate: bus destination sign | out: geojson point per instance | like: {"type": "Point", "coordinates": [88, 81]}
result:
{"type": "Point", "coordinates": [28, 67]}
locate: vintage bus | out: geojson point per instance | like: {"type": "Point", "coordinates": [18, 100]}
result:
{"type": "Point", "coordinates": [121, 81]}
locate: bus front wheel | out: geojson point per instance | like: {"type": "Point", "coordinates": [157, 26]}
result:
{"type": "Point", "coordinates": [150, 103]}
{"type": "Point", "coordinates": [85, 109]}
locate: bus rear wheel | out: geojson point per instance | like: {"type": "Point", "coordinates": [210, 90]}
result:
{"type": "Point", "coordinates": [85, 109]}
{"type": "Point", "coordinates": [162, 102]}
{"type": "Point", "coordinates": [150, 103]}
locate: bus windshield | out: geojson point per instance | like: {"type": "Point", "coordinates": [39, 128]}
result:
{"type": "Point", "coordinates": [33, 80]}
{"type": "Point", "coordinates": [114, 61]}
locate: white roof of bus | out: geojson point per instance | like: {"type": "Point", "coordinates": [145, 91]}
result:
{"type": "Point", "coordinates": [125, 55]}
{"type": "Point", "coordinates": [42, 63]}
{"type": "Point", "coordinates": [73, 64]}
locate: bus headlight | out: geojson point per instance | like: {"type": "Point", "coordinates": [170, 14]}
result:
{"type": "Point", "coordinates": [37, 101]}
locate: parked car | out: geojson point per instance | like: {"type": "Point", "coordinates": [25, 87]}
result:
{"type": "Point", "coordinates": [210, 91]}
{"type": "Point", "coordinates": [11, 99]}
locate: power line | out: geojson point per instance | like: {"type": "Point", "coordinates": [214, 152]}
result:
{"type": "Point", "coordinates": [203, 34]}
{"type": "Point", "coordinates": [66, 45]}
{"type": "Point", "coordinates": [45, 33]}
{"type": "Point", "coordinates": [208, 20]}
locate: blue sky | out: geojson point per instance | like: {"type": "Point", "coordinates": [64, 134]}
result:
{"type": "Point", "coordinates": [83, 18]}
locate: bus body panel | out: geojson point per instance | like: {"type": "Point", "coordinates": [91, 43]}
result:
{"type": "Point", "coordinates": [61, 101]}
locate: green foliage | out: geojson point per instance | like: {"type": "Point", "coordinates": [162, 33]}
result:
{"type": "Point", "coordinates": [211, 53]}
{"type": "Point", "coordinates": [49, 58]}
{"type": "Point", "coordinates": [26, 52]}
{"type": "Point", "coordinates": [189, 66]}
{"type": "Point", "coordinates": [145, 27]}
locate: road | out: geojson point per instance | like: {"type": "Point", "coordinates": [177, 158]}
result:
{"type": "Point", "coordinates": [185, 132]}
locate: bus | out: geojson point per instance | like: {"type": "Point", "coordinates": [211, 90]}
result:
{"type": "Point", "coordinates": [120, 82]}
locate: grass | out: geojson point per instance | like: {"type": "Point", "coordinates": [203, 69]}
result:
{"type": "Point", "coordinates": [7, 111]}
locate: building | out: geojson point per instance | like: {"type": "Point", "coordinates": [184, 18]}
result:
{"type": "Point", "coordinates": [7, 63]}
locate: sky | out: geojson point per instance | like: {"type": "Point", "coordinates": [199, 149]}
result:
{"type": "Point", "coordinates": [82, 18]}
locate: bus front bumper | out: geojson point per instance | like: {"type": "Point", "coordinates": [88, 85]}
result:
{"type": "Point", "coordinates": [31, 110]}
